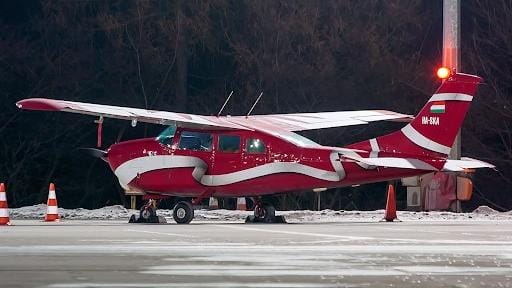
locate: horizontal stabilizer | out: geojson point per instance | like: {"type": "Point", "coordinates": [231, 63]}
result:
{"type": "Point", "coordinates": [411, 163]}
{"type": "Point", "coordinates": [465, 163]}
{"type": "Point", "coordinates": [393, 162]}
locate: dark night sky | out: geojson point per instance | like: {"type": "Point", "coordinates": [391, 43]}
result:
{"type": "Point", "coordinates": [307, 56]}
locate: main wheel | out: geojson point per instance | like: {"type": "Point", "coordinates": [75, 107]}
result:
{"type": "Point", "coordinates": [265, 212]}
{"type": "Point", "coordinates": [147, 213]}
{"type": "Point", "coordinates": [183, 212]}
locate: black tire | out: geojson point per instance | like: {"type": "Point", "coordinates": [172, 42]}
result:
{"type": "Point", "coordinates": [183, 212]}
{"type": "Point", "coordinates": [270, 215]}
{"type": "Point", "coordinates": [147, 214]}
{"type": "Point", "coordinates": [265, 212]}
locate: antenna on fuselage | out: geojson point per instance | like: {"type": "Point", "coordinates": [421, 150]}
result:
{"type": "Point", "coordinates": [225, 102]}
{"type": "Point", "coordinates": [254, 105]}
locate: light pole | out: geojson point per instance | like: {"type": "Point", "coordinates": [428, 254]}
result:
{"type": "Point", "coordinates": [451, 59]}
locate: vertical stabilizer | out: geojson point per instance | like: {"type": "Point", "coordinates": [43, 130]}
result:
{"type": "Point", "coordinates": [432, 132]}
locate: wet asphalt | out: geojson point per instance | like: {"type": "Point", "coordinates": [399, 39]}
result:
{"type": "Point", "coordinates": [98, 253]}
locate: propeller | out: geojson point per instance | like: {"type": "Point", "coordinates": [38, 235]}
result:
{"type": "Point", "coordinates": [96, 153]}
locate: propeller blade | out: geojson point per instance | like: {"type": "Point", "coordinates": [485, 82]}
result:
{"type": "Point", "coordinates": [96, 153]}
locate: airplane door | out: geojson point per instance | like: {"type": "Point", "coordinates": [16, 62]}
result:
{"type": "Point", "coordinates": [228, 156]}
{"type": "Point", "coordinates": [194, 144]}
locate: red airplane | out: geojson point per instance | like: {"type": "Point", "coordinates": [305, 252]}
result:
{"type": "Point", "coordinates": [251, 156]}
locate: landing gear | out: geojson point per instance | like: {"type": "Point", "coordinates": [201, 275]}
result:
{"type": "Point", "coordinates": [147, 214]}
{"type": "Point", "coordinates": [183, 212]}
{"type": "Point", "coordinates": [264, 213]}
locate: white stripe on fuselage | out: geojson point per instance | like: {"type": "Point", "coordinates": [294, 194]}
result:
{"type": "Point", "coordinates": [375, 148]}
{"type": "Point", "coordinates": [127, 171]}
{"type": "Point", "coordinates": [422, 141]}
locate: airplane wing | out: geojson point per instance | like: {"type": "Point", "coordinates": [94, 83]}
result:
{"type": "Point", "coordinates": [126, 113]}
{"type": "Point", "coordinates": [320, 120]}
{"type": "Point", "coordinates": [286, 122]}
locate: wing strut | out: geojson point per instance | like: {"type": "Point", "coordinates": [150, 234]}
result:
{"type": "Point", "coordinates": [100, 129]}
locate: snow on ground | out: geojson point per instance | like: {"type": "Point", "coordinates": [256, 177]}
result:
{"type": "Point", "coordinates": [118, 212]}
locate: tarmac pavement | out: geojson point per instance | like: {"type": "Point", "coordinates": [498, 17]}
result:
{"type": "Point", "coordinates": [97, 253]}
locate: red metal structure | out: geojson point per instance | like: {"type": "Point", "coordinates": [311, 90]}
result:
{"type": "Point", "coordinates": [251, 156]}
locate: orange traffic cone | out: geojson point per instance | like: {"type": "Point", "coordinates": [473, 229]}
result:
{"type": "Point", "coordinates": [241, 204]}
{"type": "Point", "coordinates": [52, 212]}
{"type": "Point", "coordinates": [4, 209]}
{"type": "Point", "coordinates": [214, 203]}
{"type": "Point", "coordinates": [390, 213]}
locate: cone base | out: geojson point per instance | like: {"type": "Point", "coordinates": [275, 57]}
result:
{"type": "Point", "coordinates": [390, 220]}
{"type": "Point", "coordinates": [52, 218]}
{"type": "Point", "coordinates": [5, 221]}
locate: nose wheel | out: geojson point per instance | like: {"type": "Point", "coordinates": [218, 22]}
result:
{"type": "Point", "coordinates": [183, 212]}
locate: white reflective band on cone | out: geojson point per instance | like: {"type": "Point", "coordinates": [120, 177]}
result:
{"type": "Point", "coordinates": [4, 212]}
{"type": "Point", "coordinates": [51, 194]}
{"type": "Point", "coordinates": [52, 210]}
{"type": "Point", "coordinates": [2, 197]}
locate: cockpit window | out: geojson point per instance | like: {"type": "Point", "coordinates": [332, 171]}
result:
{"type": "Point", "coordinates": [196, 141]}
{"type": "Point", "coordinates": [167, 135]}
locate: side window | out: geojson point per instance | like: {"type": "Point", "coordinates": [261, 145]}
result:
{"type": "Point", "coordinates": [255, 146]}
{"type": "Point", "coordinates": [195, 141]}
{"type": "Point", "coordinates": [229, 143]}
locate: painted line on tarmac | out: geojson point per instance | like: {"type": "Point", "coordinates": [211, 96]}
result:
{"type": "Point", "coordinates": [345, 238]}
{"type": "Point", "coordinates": [192, 285]}
{"type": "Point", "coordinates": [158, 233]}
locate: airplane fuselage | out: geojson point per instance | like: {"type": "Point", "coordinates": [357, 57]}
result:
{"type": "Point", "coordinates": [232, 163]}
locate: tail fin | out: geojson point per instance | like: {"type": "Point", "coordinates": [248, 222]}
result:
{"type": "Point", "coordinates": [433, 131]}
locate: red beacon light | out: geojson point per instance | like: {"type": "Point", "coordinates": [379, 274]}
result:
{"type": "Point", "coordinates": [443, 73]}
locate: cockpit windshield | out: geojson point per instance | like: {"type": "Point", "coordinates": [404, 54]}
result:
{"type": "Point", "coordinates": [167, 135]}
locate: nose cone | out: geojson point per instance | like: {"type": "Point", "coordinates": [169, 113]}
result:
{"type": "Point", "coordinates": [123, 153]}
{"type": "Point", "coordinates": [125, 158]}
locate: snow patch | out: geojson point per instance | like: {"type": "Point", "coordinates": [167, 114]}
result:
{"type": "Point", "coordinates": [118, 212]}
{"type": "Point", "coordinates": [485, 210]}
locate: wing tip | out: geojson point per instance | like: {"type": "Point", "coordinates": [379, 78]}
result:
{"type": "Point", "coordinates": [41, 104]}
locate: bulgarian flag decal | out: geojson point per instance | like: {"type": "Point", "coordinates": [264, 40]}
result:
{"type": "Point", "coordinates": [437, 107]}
